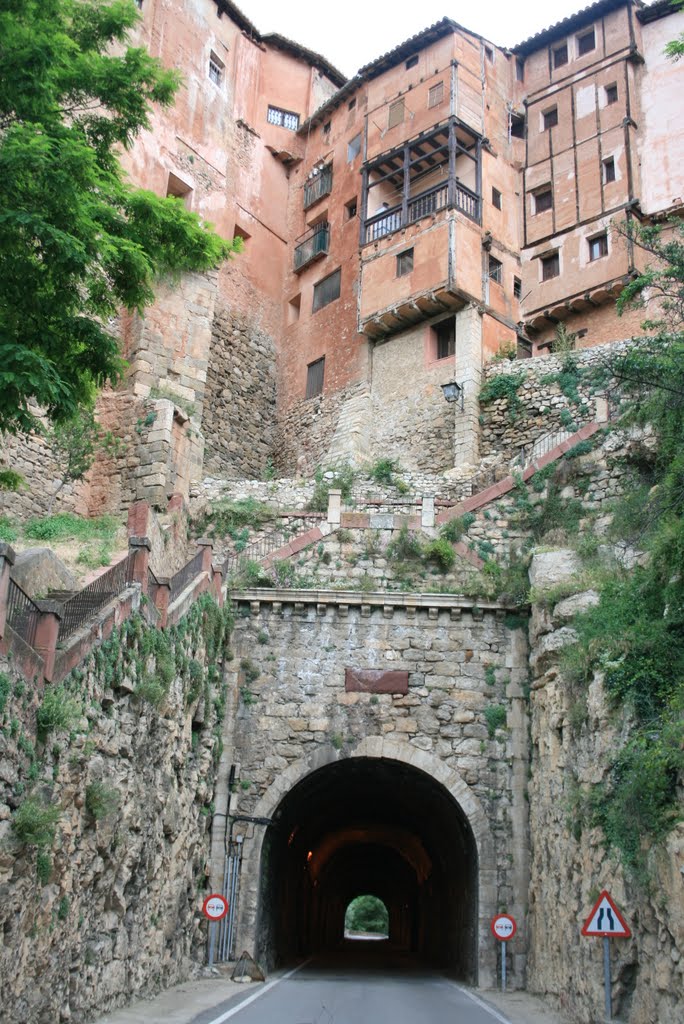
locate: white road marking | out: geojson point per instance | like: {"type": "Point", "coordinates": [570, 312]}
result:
{"type": "Point", "coordinates": [480, 1002]}
{"type": "Point", "coordinates": [250, 999]}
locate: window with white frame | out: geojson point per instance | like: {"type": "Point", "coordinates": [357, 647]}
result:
{"type": "Point", "coordinates": [598, 246]}
{"type": "Point", "coordinates": [216, 68]}
{"type": "Point", "coordinates": [283, 118]}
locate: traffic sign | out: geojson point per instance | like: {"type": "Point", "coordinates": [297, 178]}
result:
{"type": "Point", "coordinates": [215, 907]}
{"type": "Point", "coordinates": [503, 927]}
{"type": "Point", "coordinates": [605, 920]}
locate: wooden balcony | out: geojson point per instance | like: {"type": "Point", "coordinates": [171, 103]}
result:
{"type": "Point", "coordinates": [430, 201]}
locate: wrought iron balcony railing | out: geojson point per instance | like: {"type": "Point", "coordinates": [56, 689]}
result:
{"type": "Point", "coordinates": [432, 200]}
{"type": "Point", "coordinates": [318, 187]}
{"type": "Point", "coordinates": [314, 245]}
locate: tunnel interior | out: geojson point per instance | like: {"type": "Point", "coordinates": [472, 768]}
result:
{"type": "Point", "coordinates": [379, 827]}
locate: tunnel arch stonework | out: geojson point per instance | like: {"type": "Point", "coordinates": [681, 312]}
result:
{"type": "Point", "coordinates": [300, 723]}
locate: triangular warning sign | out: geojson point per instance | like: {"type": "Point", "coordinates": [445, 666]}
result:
{"type": "Point", "coordinates": [606, 920]}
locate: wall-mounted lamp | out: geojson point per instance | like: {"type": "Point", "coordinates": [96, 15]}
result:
{"type": "Point", "coordinates": [453, 392]}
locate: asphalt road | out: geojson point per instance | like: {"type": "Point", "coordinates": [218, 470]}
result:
{"type": "Point", "coordinates": [356, 991]}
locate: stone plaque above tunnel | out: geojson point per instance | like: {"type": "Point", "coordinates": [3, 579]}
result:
{"type": "Point", "coordinates": [374, 680]}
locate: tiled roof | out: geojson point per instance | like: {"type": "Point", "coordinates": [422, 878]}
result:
{"type": "Point", "coordinates": [570, 24]}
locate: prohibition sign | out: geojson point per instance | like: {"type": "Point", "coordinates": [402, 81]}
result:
{"type": "Point", "coordinates": [503, 927]}
{"type": "Point", "coordinates": [215, 907]}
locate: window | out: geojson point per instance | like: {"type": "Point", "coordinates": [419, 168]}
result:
{"type": "Point", "coordinates": [284, 118]}
{"type": "Point", "coordinates": [405, 262]}
{"type": "Point", "coordinates": [517, 288]}
{"type": "Point", "coordinates": [351, 209]}
{"type": "Point", "coordinates": [138, 4]}
{"type": "Point", "coordinates": [444, 334]}
{"type": "Point", "coordinates": [611, 94]}
{"type": "Point", "coordinates": [179, 189]}
{"type": "Point", "coordinates": [216, 68]}
{"type": "Point", "coordinates": [353, 148]}
{"type": "Point", "coordinates": [489, 54]}
{"type": "Point", "coordinates": [351, 104]}
{"type": "Point", "coordinates": [326, 128]}
{"type": "Point", "coordinates": [293, 308]}
{"type": "Point", "coordinates": [495, 270]}
{"type": "Point", "coordinates": [598, 246]}
{"type": "Point", "coordinates": [609, 170]}
{"type": "Point", "coordinates": [549, 118]}
{"type": "Point", "coordinates": [560, 56]}
{"type": "Point", "coordinates": [326, 290]}
{"type": "Point", "coordinates": [550, 266]}
{"type": "Point", "coordinates": [517, 126]}
{"type": "Point", "coordinates": [318, 184]}
{"type": "Point", "coordinates": [435, 94]}
{"type": "Point", "coordinates": [314, 378]}
{"type": "Point", "coordinates": [519, 69]}
{"type": "Point", "coordinates": [496, 199]}
{"type": "Point", "coordinates": [411, 62]}
{"type": "Point", "coordinates": [586, 43]}
{"type": "Point", "coordinates": [543, 200]}
{"type": "Point", "coordinates": [396, 113]}
{"type": "Point", "coordinates": [240, 232]}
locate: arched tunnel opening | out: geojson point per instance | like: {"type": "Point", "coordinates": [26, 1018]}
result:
{"type": "Point", "coordinates": [378, 827]}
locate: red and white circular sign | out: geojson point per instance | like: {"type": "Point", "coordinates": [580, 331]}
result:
{"type": "Point", "coordinates": [503, 927]}
{"type": "Point", "coordinates": [215, 907]}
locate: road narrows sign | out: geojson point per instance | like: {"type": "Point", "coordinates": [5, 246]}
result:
{"type": "Point", "coordinates": [215, 907]}
{"type": "Point", "coordinates": [605, 920]}
{"type": "Point", "coordinates": [503, 927]}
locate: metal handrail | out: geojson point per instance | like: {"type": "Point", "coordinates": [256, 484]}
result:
{"type": "Point", "coordinates": [432, 200]}
{"type": "Point", "coordinates": [179, 582]}
{"type": "Point", "coordinates": [318, 187]}
{"type": "Point", "coordinates": [22, 613]}
{"type": "Point", "coordinates": [258, 549]}
{"type": "Point", "coordinates": [83, 606]}
{"type": "Point", "coordinates": [152, 585]}
{"type": "Point", "coordinates": [316, 243]}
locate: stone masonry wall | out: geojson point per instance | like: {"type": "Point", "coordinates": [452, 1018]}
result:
{"type": "Point", "coordinates": [239, 412]}
{"type": "Point", "coordinates": [304, 435]}
{"type": "Point", "coordinates": [111, 908]}
{"type": "Point", "coordinates": [460, 660]}
{"type": "Point", "coordinates": [572, 747]}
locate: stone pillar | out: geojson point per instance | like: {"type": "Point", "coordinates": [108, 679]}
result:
{"type": "Point", "coordinates": [138, 518]}
{"type": "Point", "coordinates": [602, 414]}
{"type": "Point", "coordinates": [468, 373]}
{"type": "Point", "coordinates": [139, 548]}
{"type": "Point", "coordinates": [7, 557]}
{"type": "Point", "coordinates": [161, 599]}
{"type": "Point", "coordinates": [176, 503]}
{"type": "Point", "coordinates": [207, 547]}
{"type": "Point", "coordinates": [47, 634]}
{"type": "Point", "coordinates": [217, 584]}
{"type": "Point", "coordinates": [427, 513]}
{"type": "Point", "coordinates": [334, 507]}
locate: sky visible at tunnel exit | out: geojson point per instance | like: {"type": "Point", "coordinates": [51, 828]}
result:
{"type": "Point", "coordinates": [351, 33]}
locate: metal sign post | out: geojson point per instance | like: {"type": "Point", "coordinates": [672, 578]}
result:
{"type": "Point", "coordinates": [503, 928]}
{"type": "Point", "coordinates": [606, 921]}
{"type": "Point", "coordinates": [215, 907]}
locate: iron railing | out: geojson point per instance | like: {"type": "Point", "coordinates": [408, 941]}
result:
{"type": "Point", "coordinates": [264, 545]}
{"type": "Point", "coordinates": [78, 609]}
{"type": "Point", "coordinates": [318, 187]}
{"type": "Point", "coordinates": [152, 586]}
{"type": "Point", "coordinates": [22, 613]}
{"type": "Point", "coordinates": [179, 582]}
{"type": "Point", "coordinates": [432, 200]}
{"type": "Point", "coordinates": [314, 245]}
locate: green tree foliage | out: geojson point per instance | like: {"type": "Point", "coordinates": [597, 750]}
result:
{"type": "Point", "coordinates": [367, 914]}
{"type": "Point", "coordinates": [77, 242]}
{"type": "Point", "coordinates": [635, 636]}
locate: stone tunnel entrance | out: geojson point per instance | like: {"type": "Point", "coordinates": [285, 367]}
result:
{"type": "Point", "coordinates": [374, 826]}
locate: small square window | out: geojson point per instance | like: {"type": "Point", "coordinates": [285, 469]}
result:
{"type": "Point", "coordinates": [496, 199]}
{"type": "Point", "coordinates": [560, 56]}
{"type": "Point", "coordinates": [396, 113]}
{"type": "Point", "coordinates": [609, 170]}
{"type": "Point", "coordinates": [495, 270]}
{"type": "Point", "coordinates": [326, 128]}
{"type": "Point", "coordinates": [351, 209]}
{"type": "Point", "coordinates": [611, 94]}
{"type": "Point", "coordinates": [411, 62]}
{"type": "Point", "coordinates": [550, 266]}
{"type": "Point", "coordinates": [519, 69]}
{"type": "Point", "coordinates": [435, 94]}
{"type": "Point", "coordinates": [284, 118]}
{"type": "Point", "coordinates": [550, 118]}
{"type": "Point", "coordinates": [517, 288]}
{"type": "Point", "coordinates": [598, 246]}
{"type": "Point", "coordinates": [517, 126]}
{"type": "Point", "coordinates": [351, 104]}
{"type": "Point", "coordinates": [326, 291]}
{"type": "Point", "coordinates": [489, 54]}
{"type": "Point", "coordinates": [586, 43]}
{"type": "Point", "coordinates": [543, 200]}
{"type": "Point", "coordinates": [293, 309]}
{"type": "Point", "coordinates": [405, 262]}
{"type": "Point", "coordinates": [314, 378]}
{"type": "Point", "coordinates": [216, 68]}
{"type": "Point", "coordinates": [444, 335]}
{"type": "Point", "coordinates": [353, 148]}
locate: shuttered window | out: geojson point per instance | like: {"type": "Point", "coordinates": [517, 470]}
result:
{"type": "Point", "coordinates": [326, 290]}
{"type": "Point", "coordinates": [396, 113]}
{"type": "Point", "coordinates": [314, 378]}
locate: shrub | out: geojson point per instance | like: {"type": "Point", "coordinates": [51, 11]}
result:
{"type": "Point", "coordinates": [495, 717]}
{"type": "Point", "coordinates": [101, 800]}
{"type": "Point", "coordinates": [5, 690]}
{"type": "Point", "coordinates": [504, 386]}
{"type": "Point", "coordinates": [384, 472]}
{"type": "Point", "coordinates": [67, 526]}
{"type": "Point", "coordinates": [57, 711]}
{"type": "Point", "coordinates": [10, 480]}
{"type": "Point", "coordinates": [8, 532]}
{"type": "Point", "coordinates": [441, 553]}
{"type": "Point", "coordinates": [35, 823]}
{"type": "Point", "coordinates": [404, 547]}
{"type": "Point", "coordinates": [342, 479]}
{"type": "Point", "coordinates": [225, 518]}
